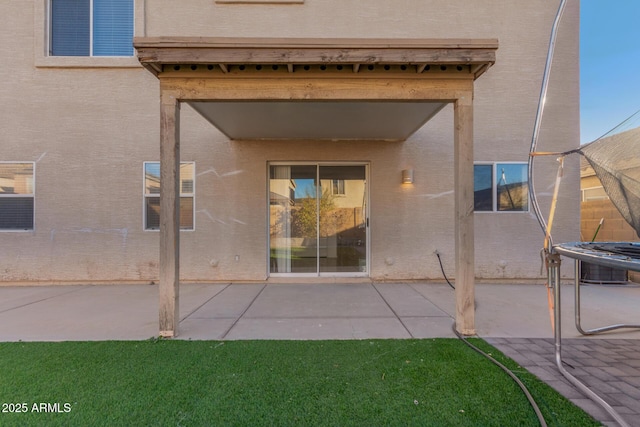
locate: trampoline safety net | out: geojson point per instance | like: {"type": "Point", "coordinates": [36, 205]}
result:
{"type": "Point", "coordinates": [616, 162]}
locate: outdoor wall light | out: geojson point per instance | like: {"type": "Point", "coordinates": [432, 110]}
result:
{"type": "Point", "coordinates": [407, 176]}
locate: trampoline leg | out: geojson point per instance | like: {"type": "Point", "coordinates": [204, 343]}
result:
{"type": "Point", "coordinates": [554, 280]}
{"type": "Point", "coordinates": [553, 273]}
{"type": "Point", "coordinates": [593, 331]}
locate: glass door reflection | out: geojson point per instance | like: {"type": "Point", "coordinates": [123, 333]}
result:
{"type": "Point", "coordinates": [293, 223]}
{"type": "Point", "coordinates": [342, 219]}
{"type": "Point", "coordinates": [318, 219]}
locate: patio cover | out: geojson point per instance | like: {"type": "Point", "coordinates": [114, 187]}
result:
{"type": "Point", "coordinates": [340, 89]}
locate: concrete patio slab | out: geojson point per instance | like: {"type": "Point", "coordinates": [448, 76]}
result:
{"type": "Point", "coordinates": [82, 313]}
{"type": "Point", "coordinates": [345, 328]}
{"type": "Point", "coordinates": [206, 328]}
{"type": "Point", "coordinates": [195, 296]}
{"type": "Point", "coordinates": [230, 302]}
{"type": "Point", "coordinates": [354, 300]}
{"type": "Point", "coordinates": [429, 327]}
{"type": "Point", "coordinates": [405, 301]}
{"type": "Point", "coordinates": [15, 297]}
{"type": "Point", "coordinates": [514, 318]}
{"type": "Point", "coordinates": [85, 312]}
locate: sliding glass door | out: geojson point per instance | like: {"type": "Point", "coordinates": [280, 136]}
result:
{"type": "Point", "coordinates": [318, 219]}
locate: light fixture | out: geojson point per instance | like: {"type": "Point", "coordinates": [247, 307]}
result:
{"type": "Point", "coordinates": [407, 176]}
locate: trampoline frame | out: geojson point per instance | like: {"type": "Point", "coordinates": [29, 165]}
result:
{"type": "Point", "coordinates": [572, 250]}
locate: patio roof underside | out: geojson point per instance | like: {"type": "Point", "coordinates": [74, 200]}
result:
{"type": "Point", "coordinates": [259, 114]}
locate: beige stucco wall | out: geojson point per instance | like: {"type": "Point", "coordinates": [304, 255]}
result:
{"type": "Point", "coordinates": [89, 130]}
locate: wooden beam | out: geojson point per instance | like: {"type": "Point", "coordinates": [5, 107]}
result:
{"type": "Point", "coordinates": [224, 68]}
{"type": "Point", "coordinates": [464, 205]}
{"type": "Point", "coordinates": [156, 68]}
{"type": "Point", "coordinates": [479, 69]}
{"type": "Point", "coordinates": [475, 68]}
{"type": "Point", "coordinates": [288, 87]}
{"type": "Point", "coordinates": [202, 50]}
{"type": "Point", "coordinates": [301, 42]}
{"type": "Point", "coordinates": [169, 214]}
{"type": "Point", "coordinates": [208, 55]}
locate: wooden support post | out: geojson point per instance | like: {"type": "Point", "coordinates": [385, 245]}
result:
{"type": "Point", "coordinates": [464, 205]}
{"type": "Point", "coordinates": [169, 214]}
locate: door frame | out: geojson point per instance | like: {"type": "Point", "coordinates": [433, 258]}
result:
{"type": "Point", "coordinates": [367, 213]}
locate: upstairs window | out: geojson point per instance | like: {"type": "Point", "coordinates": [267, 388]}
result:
{"type": "Point", "coordinates": [337, 187]}
{"type": "Point", "coordinates": [501, 187]}
{"type": "Point", "coordinates": [16, 196]}
{"type": "Point", "coordinates": [91, 28]}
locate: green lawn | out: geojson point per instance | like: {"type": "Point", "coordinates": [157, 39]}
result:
{"type": "Point", "coordinates": [438, 382]}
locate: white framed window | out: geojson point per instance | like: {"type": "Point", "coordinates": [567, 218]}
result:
{"type": "Point", "coordinates": [337, 187]}
{"type": "Point", "coordinates": [48, 53]}
{"type": "Point", "coordinates": [17, 197]}
{"type": "Point", "coordinates": [91, 27]}
{"type": "Point", "coordinates": [501, 187]}
{"type": "Point", "coordinates": [152, 195]}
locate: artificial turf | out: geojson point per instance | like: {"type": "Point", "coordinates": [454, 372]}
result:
{"type": "Point", "coordinates": [439, 382]}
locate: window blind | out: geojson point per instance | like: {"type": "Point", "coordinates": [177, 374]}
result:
{"type": "Point", "coordinates": [91, 27]}
{"type": "Point", "coordinates": [16, 196]}
{"type": "Point", "coordinates": [112, 27]}
{"type": "Point", "coordinates": [16, 213]}
{"type": "Point", "coordinates": [70, 30]}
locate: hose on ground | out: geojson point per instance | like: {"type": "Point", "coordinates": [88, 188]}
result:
{"type": "Point", "coordinates": [524, 389]}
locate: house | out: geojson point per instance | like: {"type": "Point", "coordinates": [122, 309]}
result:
{"type": "Point", "coordinates": [595, 205]}
{"type": "Point", "coordinates": [600, 220]}
{"type": "Point", "coordinates": [316, 140]}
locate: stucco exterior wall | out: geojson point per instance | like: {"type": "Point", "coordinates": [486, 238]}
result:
{"type": "Point", "coordinates": [89, 130]}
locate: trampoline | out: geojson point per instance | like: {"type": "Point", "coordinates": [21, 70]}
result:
{"type": "Point", "coordinates": [621, 255]}
{"type": "Point", "coordinates": [615, 163]}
